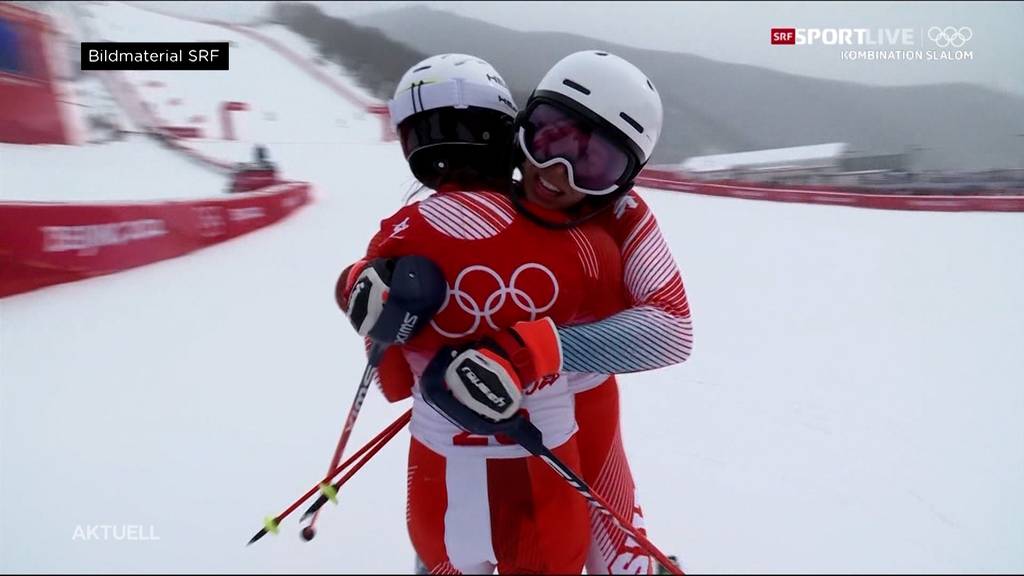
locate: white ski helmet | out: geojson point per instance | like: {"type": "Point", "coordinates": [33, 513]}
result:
{"type": "Point", "coordinates": [454, 116]}
{"type": "Point", "coordinates": [614, 90]}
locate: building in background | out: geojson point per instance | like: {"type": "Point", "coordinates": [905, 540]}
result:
{"type": "Point", "coordinates": [33, 109]}
{"type": "Point", "coordinates": [837, 164]}
{"type": "Point", "coordinates": [833, 163]}
{"type": "Point", "coordinates": [767, 165]}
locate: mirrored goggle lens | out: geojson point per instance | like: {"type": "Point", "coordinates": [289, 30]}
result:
{"type": "Point", "coordinates": [597, 161]}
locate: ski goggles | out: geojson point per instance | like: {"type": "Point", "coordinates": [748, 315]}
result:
{"type": "Point", "coordinates": [595, 160]}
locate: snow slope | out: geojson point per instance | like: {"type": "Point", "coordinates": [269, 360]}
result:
{"type": "Point", "coordinates": [853, 402]}
{"type": "Point", "coordinates": [143, 168]}
{"type": "Point", "coordinates": [285, 106]}
{"type": "Point", "coordinates": [137, 168]}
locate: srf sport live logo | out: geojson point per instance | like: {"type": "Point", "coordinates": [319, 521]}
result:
{"type": "Point", "coordinates": [940, 36]}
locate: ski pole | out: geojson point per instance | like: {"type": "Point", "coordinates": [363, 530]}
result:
{"type": "Point", "coordinates": [530, 438]}
{"type": "Point", "coordinates": [330, 492]}
{"type": "Point", "coordinates": [438, 395]}
{"type": "Point", "coordinates": [371, 447]}
{"type": "Point", "coordinates": [416, 292]}
{"type": "Point", "coordinates": [376, 350]}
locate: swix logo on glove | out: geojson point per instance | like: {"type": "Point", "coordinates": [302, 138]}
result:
{"type": "Point", "coordinates": [407, 327]}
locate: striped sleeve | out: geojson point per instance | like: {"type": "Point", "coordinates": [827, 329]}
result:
{"type": "Point", "coordinates": [656, 330]}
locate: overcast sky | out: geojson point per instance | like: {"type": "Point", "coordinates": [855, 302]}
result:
{"type": "Point", "coordinates": [739, 32]}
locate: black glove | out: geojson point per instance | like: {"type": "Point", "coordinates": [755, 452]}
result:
{"type": "Point", "coordinates": [390, 299]}
{"type": "Point", "coordinates": [365, 287]}
{"type": "Point", "coordinates": [486, 386]}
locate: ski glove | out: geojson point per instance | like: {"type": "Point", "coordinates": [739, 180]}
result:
{"type": "Point", "coordinates": [489, 377]}
{"type": "Point", "coordinates": [362, 289]}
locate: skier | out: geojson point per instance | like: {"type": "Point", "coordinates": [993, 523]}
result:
{"type": "Point", "coordinates": [641, 319]}
{"type": "Point", "coordinates": [261, 159]}
{"type": "Point", "coordinates": [476, 502]}
{"type": "Point", "coordinates": [259, 173]}
{"type": "Point", "coordinates": [574, 121]}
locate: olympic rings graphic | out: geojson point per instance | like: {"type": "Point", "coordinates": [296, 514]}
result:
{"type": "Point", "coordinates": [950, 36]}
{"type": "Point", "coordinates": [496, 300]}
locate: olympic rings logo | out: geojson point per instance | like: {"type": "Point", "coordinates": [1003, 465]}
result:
{"type": "Point", "coordinates": [950, 36]}
{"type": "Point", "coordinates": [496, 300]}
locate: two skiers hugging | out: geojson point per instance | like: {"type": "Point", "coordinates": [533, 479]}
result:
{"type": "Point", "coordinates": [549, 275]}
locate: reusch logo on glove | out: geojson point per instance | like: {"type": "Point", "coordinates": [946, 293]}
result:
{"type": "Point", "coordinates": [472, 377]}
{"type": "Point", "coordinates": [483, 385]}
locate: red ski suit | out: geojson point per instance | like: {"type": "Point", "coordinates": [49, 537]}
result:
{"type": "Point", "coordinates": [479, 502]}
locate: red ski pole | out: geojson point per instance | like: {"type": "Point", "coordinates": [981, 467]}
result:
{"type": "Point", "coordinates": [416, 292]}
{"type": "Point", "coordinates": [366, 452]}
{"type": "Point", "coordinates": [309, 532]}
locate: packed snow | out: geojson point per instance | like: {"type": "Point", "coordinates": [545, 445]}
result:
{"type": "Point", "coordinates": [853, 403]}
